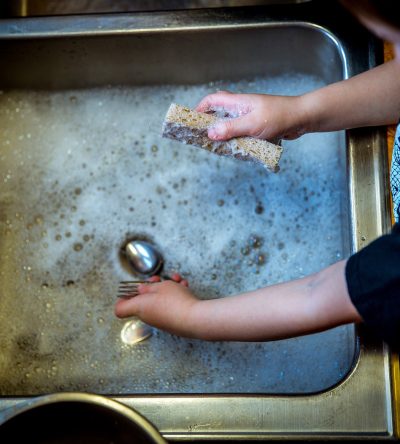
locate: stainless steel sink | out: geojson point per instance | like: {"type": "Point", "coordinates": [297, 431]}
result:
{"type": "Point", "coordinates": [77, 178]}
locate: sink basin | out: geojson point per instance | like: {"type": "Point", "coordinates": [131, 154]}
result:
{"type": "Point", "coordinates": [84, 168]}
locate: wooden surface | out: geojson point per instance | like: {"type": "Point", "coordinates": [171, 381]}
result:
{"type": "Point", "coordinates": [395, 362]}
{"type": "Point", "coordinates": [391, 129]}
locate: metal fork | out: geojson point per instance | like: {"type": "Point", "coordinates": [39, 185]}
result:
{"type": "Point", "coordinates": [129, 289]}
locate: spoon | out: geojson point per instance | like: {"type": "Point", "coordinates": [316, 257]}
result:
{"type": "Point", "coordinates": [144, 258]}
{"type": "Point", "coordinates": [135, 331]}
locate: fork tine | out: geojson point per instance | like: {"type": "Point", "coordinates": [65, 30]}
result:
{"type": "Point", "coordinates": [129, 289]}
{"type": "Point", "coordinates": [133, 282]}
{"type": "Point", "coordinates": [124, 287]}
{"type": "Point", "coordinates": [126, 296]}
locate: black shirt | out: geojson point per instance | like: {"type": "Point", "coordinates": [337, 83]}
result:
{"type": "Point", "coordinates": [373, 282]}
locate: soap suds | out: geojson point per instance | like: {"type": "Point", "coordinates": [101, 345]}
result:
{"type": "Point", "coordinates": [82, 171]}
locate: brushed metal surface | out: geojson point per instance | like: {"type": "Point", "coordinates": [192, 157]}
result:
{"type": "Point", "coordinates": [29, 8]}
{"type": "Point", "coordinates": [359, 406]}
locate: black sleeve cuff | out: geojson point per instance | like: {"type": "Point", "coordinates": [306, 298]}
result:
{"type": "Point", "coordinates": [373, 282]}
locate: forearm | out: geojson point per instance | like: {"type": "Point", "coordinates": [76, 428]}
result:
{"type": "Point", "coordinates": [307, 305]}
{"type": "Point", "coordinates": [368, 99]}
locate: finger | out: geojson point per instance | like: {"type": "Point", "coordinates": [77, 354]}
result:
{"type": "Point", "coordinates": [224, 130]}
{"type": "Point", "coordinates": [234, 103]}
{"type": "Point", "coordinates": [184, 282]}
{"type": "Point", "coordinates": [154, 279]}
{"type": "Point", "coordinates": [124, 308]}
{"type": "Point", "coordinates": [207, 102]}
{"type": "Point", "coordinates": [176, 277]}
{"type": "Point", "coordinates": [145, 288]}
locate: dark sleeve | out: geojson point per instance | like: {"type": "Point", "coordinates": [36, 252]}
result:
{"type": "Point", "coordinates": [373, 282]}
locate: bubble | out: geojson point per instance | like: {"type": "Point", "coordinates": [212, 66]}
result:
{"type": "Point", "coordinates": [39, 220]}
{"type": "Point", "coordinates": [255, 242]}
{"type": "Point", "coordinates": [78, 247]}
{"type": "Point", "coordinates": [245, 250]}
{"type": "Point", "coordinates": [259, 209]}
{"type": "Point", "coordinates": [261, 259]}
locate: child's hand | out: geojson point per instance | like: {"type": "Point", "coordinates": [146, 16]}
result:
{"type": "Point", "coordinates": [166, 305]}
{"type": "Point", "coordinates": [262, 116]}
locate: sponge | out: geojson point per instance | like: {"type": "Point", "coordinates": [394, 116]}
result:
{"type": "Point", "coordinates": [191, 127]}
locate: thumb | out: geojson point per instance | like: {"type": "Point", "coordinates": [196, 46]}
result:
{"type": "Point", "coordinates": [125, 308]}
{"type": "Point", "coordinates": [226, 129]}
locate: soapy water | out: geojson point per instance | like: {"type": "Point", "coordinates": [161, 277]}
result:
{"type": "Point", "coordinates": [82, 171]}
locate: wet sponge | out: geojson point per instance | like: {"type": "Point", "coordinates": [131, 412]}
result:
{"type": "Point", "coordinates": [190, 127]}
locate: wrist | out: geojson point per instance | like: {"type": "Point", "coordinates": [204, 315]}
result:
{"type": "Point", "coordinates": [307, 113]}
{"type": "Point", "coordinates": [193, 322]}
{"type": "Point", "coordinates": [200, 320]}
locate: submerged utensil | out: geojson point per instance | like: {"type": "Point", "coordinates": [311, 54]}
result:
{"type": "Point", "coordinates": [144, 258]}
{"type": "Point", "coordinates": [146, 261]}
{"type": "Point", "coordinates": [135, 330]}
{"type": "Point", "coordinates": [129, 289]}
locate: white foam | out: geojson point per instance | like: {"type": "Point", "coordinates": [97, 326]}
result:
{"type": "Point", "coordinates": [86, 169]}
